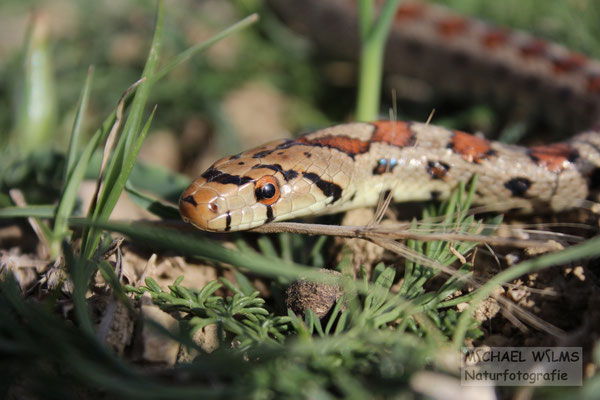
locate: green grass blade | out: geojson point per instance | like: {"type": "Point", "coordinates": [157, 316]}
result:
{"type": "Point", "coordinates": [195, 246]}
{"type": "Point", "coordinates": [123, 156]}
{"type": "Point", "coordinates": [365, 13]}
{"type": "Point", "coordinates": [371, 60]}
{"type": "Point", "coordinates": [151, 204]}
{"type": "Point", "coordinates": [37, 211]}
{"type": "Point", "coordinates": [75, 171]}
{"type": "Point", "coordinates": [76, 131]}
{"type": "Point", "coordinates": [36, 111]}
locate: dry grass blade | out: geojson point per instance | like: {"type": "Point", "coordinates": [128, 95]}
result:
{"type": "Point", "coordinates": [19, 200]}
{"type": "Point", "coordinates": [394, 231]}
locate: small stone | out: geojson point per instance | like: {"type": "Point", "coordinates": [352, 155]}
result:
{"type": "Point", "coordinates": [316, 296]}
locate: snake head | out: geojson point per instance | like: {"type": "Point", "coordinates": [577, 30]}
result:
{"type": "Point", "coordinates": [274, 182]}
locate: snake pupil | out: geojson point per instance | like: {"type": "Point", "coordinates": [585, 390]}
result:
{"type": "Point", "coordinates": [267, 191]}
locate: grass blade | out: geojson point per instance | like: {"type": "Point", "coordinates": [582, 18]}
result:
{"type": "Point", "coordinates": [74, 170]}
{"type": "Point", "coordinates": [124, 156]}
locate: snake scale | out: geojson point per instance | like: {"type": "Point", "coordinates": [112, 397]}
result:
{"type": "Point", "coordinates": [351, 165]}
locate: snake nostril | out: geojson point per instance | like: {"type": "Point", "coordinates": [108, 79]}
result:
{"type": "Point", "coordinates": [214, 207]}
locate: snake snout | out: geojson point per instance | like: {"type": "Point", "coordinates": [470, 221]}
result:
{"type": "Point", "coordinates": [199, 206]}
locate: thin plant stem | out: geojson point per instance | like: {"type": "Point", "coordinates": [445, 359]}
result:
{"type": "Point", "coordinates": [373, 38]}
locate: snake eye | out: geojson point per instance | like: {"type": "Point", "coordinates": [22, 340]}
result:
{"type": "Point", "coordinates": [267, 190]}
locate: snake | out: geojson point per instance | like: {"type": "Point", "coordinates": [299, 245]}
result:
{"type": "Point", "coordinates": [352, 165]}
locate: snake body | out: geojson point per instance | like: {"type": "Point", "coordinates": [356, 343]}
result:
{"type": "Point", "coordinates": [457, 55]}
{"type": "Point", "coordinates": [352, 165]}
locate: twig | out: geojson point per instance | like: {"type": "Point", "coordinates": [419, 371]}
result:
{"type": "Point", "coordinates": [393, 231]}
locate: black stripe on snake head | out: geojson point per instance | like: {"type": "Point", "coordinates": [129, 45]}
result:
{"type": "Point", "coordinates": [228, 221]}
{"type": "Point", "coordinates": [328, 188]}
{"type": "Point", "coordinates": [190, 199]}
{"type": "Point", "coordinates": [214, 175]}
{"type": "Point", "coordinates": [270, 216]}
{"type": "Point", "coordinates": [518, 186]}
{"type": "Point", "coordinates": [286, 144]}
{"type": "Point", "coordinates": [287, 175]}
{"type": "Point", "coordinates": [211, 173]}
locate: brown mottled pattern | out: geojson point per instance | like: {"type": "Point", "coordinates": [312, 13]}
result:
{"type": "Point", "coordinates": [471, 148]}
{"type": "Point", "coordinates": [569, 62]}
{"type": "Point", "coordinates": [396, 133]}
{"type": "Point", "coordinates": [593, 84]}
{"type": "Point", "coordinates": [452, 26]}
{"type": "Point", "coordinates": [437, 169]}
{"type": "Point", "coordinates": [535, 47]}
{"type": "Point", "coordinates": [410, 11]}
{"type": "Point", "coordinates": [495, 38]}
{"type": "Point", "coordinates": [342, 143]}
{"type": "Point", "coordinates": [555, 157]}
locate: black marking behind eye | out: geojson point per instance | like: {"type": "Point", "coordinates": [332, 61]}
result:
{"type": "Point", "coordinates": [287, 175]}
{"type": "Point", "coordinates": [435, 195]}
{"type": "Point", "coordinates": [307, 154]}
{"type": "Point", "coordinates": [270, 216]}
{"type": "Point", "coordinates": [228, 221]}
{"type": "Point", "coordinates": [328, 188]}
{"type": "Point", "coordinates": [214, 175]}
{"type": "Point", "coordinates": [518, 186]}
{"type": "Point", "coordinates": [190, 199]}
{"type": "Point", "coordinates": [235, 157]}
{"type": "Point", "coordinates": [241, 163]}
{"type": "Point", "coordinates": [352, 197]}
